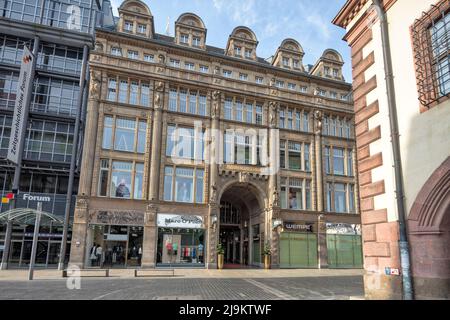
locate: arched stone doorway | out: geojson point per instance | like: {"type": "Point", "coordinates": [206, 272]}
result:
{"type": "Point", "coordinates": [429, 236]}
{"type": "Point", "coordinates": [241, 225]}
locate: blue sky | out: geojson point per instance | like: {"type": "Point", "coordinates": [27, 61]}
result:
{"type": "Point", "coordinates": [309, 22]}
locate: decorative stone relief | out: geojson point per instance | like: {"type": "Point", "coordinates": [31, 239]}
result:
{"type": "Point", "coordinates": [318, 117]}
{"type": "Point", "coordinates": [215, 110]}
{"type": "Point", "coordinates": [94, 88]}
{"type": "Point", "coordinates": [162, 59]}
{"type": "Point", "coordinates": [159, 88]}
{"type": "Point", "coordinates": [273, 114]}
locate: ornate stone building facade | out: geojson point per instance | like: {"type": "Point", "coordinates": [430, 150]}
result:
{"type": "Point", "coordinates": [183, 143]}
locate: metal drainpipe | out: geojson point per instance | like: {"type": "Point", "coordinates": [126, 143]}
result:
{"type": "Point", "coordinates": [403, 243]}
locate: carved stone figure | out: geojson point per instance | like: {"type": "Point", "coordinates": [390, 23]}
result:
{"type": "Point", "coordinates": [275, 198]}
{"type": "Point", "coordinates": [318, 116]}
{"type": "Point", "coordinates": [216, 71]}
{"type": "Point", "coordinates": [272, 114]}
{"type": "Point", "coordinates": [215, 110]}
{"type": "Point", "coordinates": [94, 88]}
{"type": "Point", "coordinates": [213, 196]}
{"type": "Point", "coordinates": [162, 58]}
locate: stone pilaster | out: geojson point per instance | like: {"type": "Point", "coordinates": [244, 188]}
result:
{"type": "Point", "coordinates": [150, 234]}
{"type": "Point", "coordinates": [213, 235]}
{"type": "Point", "coordinates": [79, 232]}
{"type": "Point", "coordinates": [318, 160]}
{"type": "Point", "coordinates": [90, 134]}
{"type": "Point", "coordinates": [156, 141]}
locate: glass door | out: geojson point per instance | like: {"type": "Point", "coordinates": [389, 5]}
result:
{"type": "Point", "coordinates": [15, 253]}
{"type": "Point", "coordinates": [53, 253]}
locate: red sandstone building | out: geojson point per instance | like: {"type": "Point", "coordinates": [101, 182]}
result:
{"type": "Point", "coordinates": [401, 82]}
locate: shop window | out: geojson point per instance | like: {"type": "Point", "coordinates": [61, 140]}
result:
{"type": "Point", "coordinates": [180, 246]}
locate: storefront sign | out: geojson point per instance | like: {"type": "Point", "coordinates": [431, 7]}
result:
{"type": "Point", "coordinates": [297, 227]}
{"type": "Point", "coordinates": [118, 218]}
{"type": "Point", "coordinates": [180, 221]}
{"type": "Point", "coordinates": [23, 95]}
{"type": "Point", "coordinates": [116, 237]}
{"type": "Point", "coordinates": [38, 198]}
{"type": "Point", "coordinates": [343, 228]}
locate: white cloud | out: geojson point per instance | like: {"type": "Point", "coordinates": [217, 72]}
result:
{"type": "Point", "coordinates": [241, 12]}
{"type": "Point", "coordinates": [322, 25]}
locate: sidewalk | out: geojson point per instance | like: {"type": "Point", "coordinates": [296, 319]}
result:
{"type": "Point", "coordinates": [46, 274]}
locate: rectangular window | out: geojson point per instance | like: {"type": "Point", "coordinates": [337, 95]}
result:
{"type": "Point", "coordinates": [192, 102]}
{"type": "Point", "coordinates": [237, 51]}
{"type": "Point", "coordinates": [291, 86]}
{"type": "Point", "coordinates": [249, 113]}
{"type": "Point", "coordinates": [128, 25]}
{"type": "Point", "coordinates": [248, 53]}
{"type": "Point", "coordinates": [298, 120]}
{"type": "Point", "coordinates": [303, 89]}
{"type": "Point", "coordinates": [204, 69]}
{"type": "Point", "coordinates": [145, 94]}
{"type": "Point", "coordinates": [184, 38]}
{"type": "Point", "coordinates": [142, 137]}
{"type": "Point", "coordinates": [279, 84]}
{"type": "Point", "coordinates": [351, 198]}
{"type": "Point", "coordinates": [295, 194]}
{"type": "Point", "coordinates": [149, 58]}
{"type": "Point", "coordinates": [199, 186]}
{"type": "Point", "coordinates": [283, 195]}
{"type": "Point", "coordinates": [338, 161]}
{"type": "Point", "coordinates": [325, 125]}
{"type": "Point", "coordinates": [296, 64]}
{"type": "Point", "coordinates": [344, 97]}
{"type": "Point", "coordinates": [305, 121]}
{"type": "Point", "coordinates": [259, 80]}
{"type": "Point", "coordinates": [282, 154]}
{"type": "Point", "coordinates": [121, 179]}
{"type": "Point", "coordinates": [239, 111]}
{"type": "Point", "coordinates": [134, 91]}
{"type": "Point", "coordinates": [327, 71]}
{"type": "Point", "coordinates": [142, 28]}
{"type": "Point", "coordinates": [228, 152]}
{"type": "Point", "coordinates": [227, 73]}
{"type": "Point", "coordinates": [196, 41]}
{"type": "Point", "coordinates": [103, 178]}
{"type": "Point", "coordinates": [133, 54]}
{"type": "Point", "coordinates": [295, 158]}
{"type": "Point", "coordinates": [173, 100]}
{"type": "Point", "coordinates": [340, 204]}
{"type": "Point", "coordinates": [308, 194]}
{"type": "Point", "coordinates": [333, 95]}
{"type": "Point", "coordinates": [123, 91]}
{"type": "Point", "coordinates": [289, 119]}
{"type": "Point", "coordinates": [138, 181]}
{"type": "Point", "coordinates": [286, 62]}
{"type": "Point", "coordinates": [202, 105]}
{"type": "Point", "coordinates": [124, 135]}
{"type": "Point", "coordinates": [259, 114]}
{"type": "Point", "coordinates": [185, 143]}
{"type": "Point", "coordinates": [332, 126]}
{"type": "Point", "coordinates": [184, 185]}
{"type": "Point", "coordinates": [112, 90]}
{"type": "Point", "coordinates": [189, 66]}
{"type": "Point", "coordinates": [183, 100]}
{"type": "Point", "coordinates": [307, 158]}
{"type": "Point", "coordinates": [336, 73]}
{"type": "Point", "coordinates": [326, 155]}
{"type": "Point", "coordinates": [350, 163]}
{"type": "Point", "coordinates": [228, 108]}
{"type": "Point", "coordinates": [329, 191]}
{"type": "Point", "coordinates": [107, 132]}
{"type": "Point", "coordinates": [175, 63]}
{"type": "Point", "coordinates": [243, 76]}
{"type": "Point", "coordinates": [168, 176]}
{"type": "Point", "coordinates": [282, 118]}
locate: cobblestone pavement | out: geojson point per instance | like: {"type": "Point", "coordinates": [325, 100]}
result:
{"type": "Point", "coordinates": [322, 288]}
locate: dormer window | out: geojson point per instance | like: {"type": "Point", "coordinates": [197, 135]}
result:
{"type": "Point", "coordinates": [184, 38]}
{"type": "Point", "coordinates": [237, 51]}
{"type": "Point", "coordinates": [335, 73]}
{"type": "Point", "coordinates": [142, 28]}
{"type": "Point", "coordinates": [286, 62]}
{"type": "Point", "coordinates": [248, 53]}
{"type": "Point", "coordinates": [296, 64]}
{"type": "Point", "coordinates": [128, 26]}
{"type": "Point", "coordinates": [116, 51]}
{"type": "Point", "coordinates": [196, 41]}
{"type": "Point", "coordinates": [327, 71]}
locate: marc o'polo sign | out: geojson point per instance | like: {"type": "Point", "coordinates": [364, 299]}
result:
{"type": "Point", "coordinates": [21, 106]}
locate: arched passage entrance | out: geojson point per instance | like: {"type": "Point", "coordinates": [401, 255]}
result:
{"type": "Point", "coordinates": [429, 235]}
{"type": "Point", "coordinates": [241, 223]}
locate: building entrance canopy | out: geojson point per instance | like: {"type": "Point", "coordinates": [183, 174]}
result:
{"type": "Point", "coordinates": [28, 216]}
